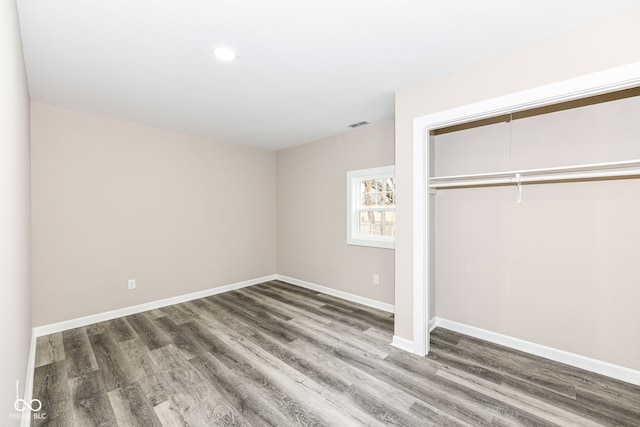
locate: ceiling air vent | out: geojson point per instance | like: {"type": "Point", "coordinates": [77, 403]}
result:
{"type": "Point", "coordinates": [357, 125]}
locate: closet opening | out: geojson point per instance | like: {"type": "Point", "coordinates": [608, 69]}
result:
{"type": "Point", "coordinates": [428, 185]}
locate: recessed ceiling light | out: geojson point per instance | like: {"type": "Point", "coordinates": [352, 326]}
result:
{"type": "Point", "coordinates": [224, 53]}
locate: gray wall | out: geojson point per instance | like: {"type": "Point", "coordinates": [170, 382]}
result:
{"type": "Point", "coordinates": [114, 200]}
{"type": "Point", "coordinates": [15, 304]}
{"type": "Point", "coordinates": [312, 185]}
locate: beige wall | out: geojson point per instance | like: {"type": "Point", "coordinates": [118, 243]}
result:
{"type": "Point", "coordinates": [559, 269]}
{"type": "Point", "coordinates": [15, 304]}
{"type": "Point", "coordinates": [312, 213]}
{"type": "Point", "coordinates": [114, 200]}
{"type": "Point", "coordinates": [605, 44]}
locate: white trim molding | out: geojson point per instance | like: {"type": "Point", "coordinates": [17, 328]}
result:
{"type": "Point", "coordinates": [614, 79]}
{"type": "Point", "coordinates": [432, 324]}
{"type": "Point", "coordinates": [28, 384]}
{"type": "Point", "coordinates": [402, 343]}
{"type": "Point", "coordinates": [336, 293]}
{"type": "Point", "coordinates": [354, 178]}
{"type": "Point", "coordinates": [593, 365]}
{"type": "Point", "coordinates": [113, 314]}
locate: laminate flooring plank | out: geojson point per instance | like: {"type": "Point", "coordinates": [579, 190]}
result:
{"type": "Point", "coordinates": [304, 396]}
{"type": "Point", "coordinates": [132, 408]}
{"type": "Point", "coordinates": [138, 357]}
{"type": "Point", "coordinates": [319, 384]}
{"type": "Point", "coordinates": [209, 311]}
{"type": "Point", "coordinates": [244, 396]}
{"type": "Point", "coordinates": [329, 337]}
{"type": "Point", "coordinates": [385, 413]}
{"type": "Point", "coordinates": [96, 328]}
{"type": "Point", "coordinates": [539, 370]}
{"type": "Point", "coordinates": [198, 402]}
{"type": "Point", "coordinates": [284, 295]}
{"type": "Point", "coordinates": [155, 313]}
{"type": "Point", "coordinates": [149, 334]}
{"type": "Point", "coordinates": [321, 312]}
{"type": "Point", "coordinates": [266, 323]}
{"type": "Point", "coordinates": [593, 410]}
{"type": "Point", "coordinates": [433, 417]}
{"type": "Point", "coordinates": [540, 381]}
{"type": "Point", "coordinates": [463, 402]}
{"type": "Point", "coordinates": [168, 358]}
{"type": "Point", "coordinates": [189, 348]}
{"type": "Point", "coordinates": [261, 305]}
{"type": "Point", "coordinates": [293, 307]}
{"type": "Point", "coordinates": [454, 396]}
{"type": "Point", "coordinates": [597, 407]}
{"type": "Point", "coordinates": [445, 335]}
{"type": "Point", "coordinates": [359, 316]}
{"type": "Point", "coordinates": [78, 353]}
{"type": "Point", "coordinates": [243, 334]}
{"type": "Point", "coordinates": [303, 363]}
{"type": "Point", "coordinates": [91, 406]}
{"type": "Point", "coordinates": [49, 349]}
{"type": "Point", "coordinates": [118, 327]}
{"type": "Point", "coordinates": [332, 361]}
{"type": "Point", "coordinates": [276, 354]}
{"type": "Point", "coordinates": [447, 356]}
{"type": "Point", "coordinates": [511, 363]}
{"type": "Point", "coordinates": [114, 364]}
{"type": "Point", "coordinates": [51, 388]}
{"type": "Point", "coordinates": [356, 308]}
{"type": "Point", "coordinates": [248, 367]}
{"type": "Point", "coordinates": [341, 317]}
{"type": "Point", "coordinates": [366, 341]}
{"type": "Point", "coordinates": [168, 415]}
{"type": "Point", "coordinates": [543, 413]}
{"type": "Point", "coordinates": [227, 299]}
{"type": "Point", "coordinates": [304, 292]}
{"type": "Point", "coordinates": [156, 389]}
{"type": "Point", "coordinates": [121, 330]}
{"type": "Point", "coordinates": [176, 313]}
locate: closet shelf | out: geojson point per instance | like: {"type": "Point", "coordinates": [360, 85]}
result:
{"type": "Point", "coordinates": [609, 170]}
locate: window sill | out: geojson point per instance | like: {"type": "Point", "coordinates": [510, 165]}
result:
{"type": "Point", "coordinates": [384, 244]}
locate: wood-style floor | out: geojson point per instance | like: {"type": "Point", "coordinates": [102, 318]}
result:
{"type": "Point", "coordinates": [275, 354]}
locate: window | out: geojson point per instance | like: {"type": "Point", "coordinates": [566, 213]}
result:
{"type": "Point", "coordinates": [371, 207]}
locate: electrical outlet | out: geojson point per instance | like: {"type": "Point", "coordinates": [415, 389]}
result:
{"type": "Point", "coordinates": [376, 279]}
{"type": "Point", "coordinates": [132, 283]}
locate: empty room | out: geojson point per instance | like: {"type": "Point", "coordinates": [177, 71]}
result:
{"type": "Point", "coordinates": [352, 213]}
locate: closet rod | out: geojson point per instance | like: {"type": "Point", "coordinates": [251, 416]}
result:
{"type": "Point", "coordinates": [524, 178]}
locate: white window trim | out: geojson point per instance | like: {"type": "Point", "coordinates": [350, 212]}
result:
{"type": "Point", "coordinates": [353, 235]}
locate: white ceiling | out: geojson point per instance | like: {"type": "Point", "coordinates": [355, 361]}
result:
{"type": "Point", "coordinates": [306, 69]}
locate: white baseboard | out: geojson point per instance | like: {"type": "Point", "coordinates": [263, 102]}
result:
{"type": "Point", "coordinates": [28, 384]}
{"type": "Point", "coordinates": [604, 368]}
{"type": "Point", "coordinates": [113, 314]}
{"type": "Point", "coordinates": [336, 293]}
{"type": "Point", "coordinates": [432, 324]}
{"type": "Point", "coordinates": [402, 343]}
{"type": "Point", "coordinates": [126, 311]}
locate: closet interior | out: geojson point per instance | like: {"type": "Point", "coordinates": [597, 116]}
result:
{"type": "Point", "coordinates": [537, 225]}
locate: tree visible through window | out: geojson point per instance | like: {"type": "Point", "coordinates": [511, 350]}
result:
{"type": "Point", "coordinates": [371, 207]}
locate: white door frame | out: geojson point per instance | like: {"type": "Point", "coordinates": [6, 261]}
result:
{"type": "Point", "coordinates": [610, 80]}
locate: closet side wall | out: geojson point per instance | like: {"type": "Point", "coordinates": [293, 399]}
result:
{"type": "Point", "coordinates": [561, 268]}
